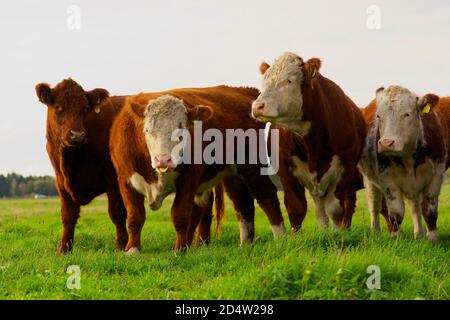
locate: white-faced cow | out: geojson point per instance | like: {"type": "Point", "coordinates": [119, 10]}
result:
{"type": "Point", "coordinates": [141, 149]}
{"type": "Point", "coordinates": [405, 156]}
{"type": "Point", "coordinates": [328, 132]}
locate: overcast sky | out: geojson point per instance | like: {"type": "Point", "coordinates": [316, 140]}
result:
{"type": "Point", "coordinates": [132, 46]}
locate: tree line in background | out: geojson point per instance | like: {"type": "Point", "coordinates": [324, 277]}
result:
{"type": "Point", "coordinates": [15, 185]}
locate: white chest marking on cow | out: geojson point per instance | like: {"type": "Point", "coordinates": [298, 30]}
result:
{"type": "Point", "coordinates": [322, 191]}
{"type": "Point", "coordinates": [154, 192]}
{"type": "Point", "coordinates": [309, 179]}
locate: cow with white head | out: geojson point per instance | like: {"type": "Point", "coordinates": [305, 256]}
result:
{"type": "Point", "coordinates": [145, 148]}
{"type": "Point", "coordinates": [281, 98]}
{"type": "Point", "coordinates": [164, 118]}
{"type": "Point", "coordinates": [329, 130]}
{"type": "Point", "coordinates": [405, 157]}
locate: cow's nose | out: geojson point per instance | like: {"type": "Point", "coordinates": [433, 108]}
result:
{"type": "Point", "coordinates": [258, 108]}
{"type": "Point", "coordinates": [77, 136]}
{"type": "Point", "coordinates": [386, 144]}
{"type": "Point", "coordinates": [163, 160]}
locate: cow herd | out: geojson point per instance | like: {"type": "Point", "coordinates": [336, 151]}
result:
{"type": "Point", "coordinates": [396, 147]}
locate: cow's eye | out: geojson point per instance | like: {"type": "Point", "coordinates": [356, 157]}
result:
{"type": "Point", "coordinates": [287, 81]}
{"type": "Point", "coordinates": [406, 115]}
{"type": "Point", "coordinates": [58, 108]}
{"type": "Point", "coordinates": [378, 116]}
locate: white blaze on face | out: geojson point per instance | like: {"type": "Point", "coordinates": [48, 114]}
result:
{"type": "Point", "coordinates": [281, 93]}
{"type": "Point", "coordinates": [163, 117]}
{"type": "Point", "coordinates": [398, 121]}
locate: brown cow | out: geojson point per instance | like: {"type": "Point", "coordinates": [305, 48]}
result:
{"type": "Point", "coordinates": [143, 172]}
{"type": "Point", "coordinates": [405, 156]}
{"type": "Point", "coordinates": [78, 125]}
{"type": "Point", "coordinates": [330, 130]}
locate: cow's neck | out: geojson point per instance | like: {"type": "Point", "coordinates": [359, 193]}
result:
{"type": "Point", "coordinates": [319, 129]}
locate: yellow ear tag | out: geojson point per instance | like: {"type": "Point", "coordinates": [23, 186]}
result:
{"type": "Point", "coordinates": [314, 73]}
{"type": "Point", "coordinates": [427, 108]}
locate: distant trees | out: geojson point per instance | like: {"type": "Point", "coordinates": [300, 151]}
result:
{"type": "Point", "coordinates": [14, 185]}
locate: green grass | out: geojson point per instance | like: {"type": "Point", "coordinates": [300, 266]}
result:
{"type": "Point", "coordinates": [312, 264]}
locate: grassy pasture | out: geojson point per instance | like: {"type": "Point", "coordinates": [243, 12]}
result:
{"type": "Point", "coordinates": [312, 264]}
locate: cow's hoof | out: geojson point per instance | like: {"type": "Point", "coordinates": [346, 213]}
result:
{"type": "Point", "coordinates": [395, 234]}
{"type": "Point", "coordinates": [133, 251]}
{"type": "Point", "coordinates": [376, 230]}
{"type": "Point", "coordinates": [63, 249]}
{"type": "Point", "coordinates": [433, 236]}
{"type": "Point", "coordinates": [278, 230]}
{"type": "Point", "coordinates": [418, 236]}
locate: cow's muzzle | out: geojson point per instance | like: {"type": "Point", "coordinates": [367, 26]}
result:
{"type": "Point", "coordinates": [76, 138]}
{"type": "Point", "coordinates": [386, 145]}
{"type": "Point", "coordinates": [163, 162]}
{"type": "Point", "coordinates": [258, 109]}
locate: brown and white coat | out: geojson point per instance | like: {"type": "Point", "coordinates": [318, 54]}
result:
{"type": "Point", "coordinates": [326, 130]}
{"type": "Point", "coordinates": [405, 156]}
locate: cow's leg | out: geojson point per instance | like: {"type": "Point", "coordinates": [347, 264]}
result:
{"type": "Point", "coordinates": [194, 220]}
{"type": "Point", "coordinates": [294, 199]}
{"type": "Point", "coordinates": [349, 209]}
{"type": "Point", "coordinates": [384, 212]}
{"type": "Point", "coordinates": [265, 194]}
{"type": "Point", "coordinates": [244, 207]}
{"type": "Point", "coordinates": [416, 212]}
{"type": "Point", "coordinates": [181, 210]}
{"type": "Point", "coordinates": [70, 212]}
{"type": "Point", "coordinates": [430, 202]}
{"type": "Point", "coordinates": [204, 227]}
{"type": "Point", "coordinates": [373, 195]}
{"type": "Point", "coordinates": [322, 218]}
{"type": "Point", "coordinates": [396, 208]}
{"type": "Point", "coordinates": [134, 204]}
{"type": "Point", "coordinates": [118, 215]}
{"type": "Point", "coordinates": [334, 207]}
{"type": "Point", "coordinates": [430, 215]}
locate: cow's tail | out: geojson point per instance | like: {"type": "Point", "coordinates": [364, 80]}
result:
{"type": "Point", "coordinates": [219, 203]}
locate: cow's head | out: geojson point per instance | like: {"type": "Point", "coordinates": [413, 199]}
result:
{"type": "Point", "coordinates": [68, 105]}
{"type": "Point", "coordinates": [281, 98]}
{"type": "Point", "coordinates": [163, 117]}
{"type": "Point", "coordinates": [398, 119]}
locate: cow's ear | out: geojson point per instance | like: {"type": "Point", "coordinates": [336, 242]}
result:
{"type": "Point", "coordinates": [138, 109]}
{"type": "Point", "coordinates": [378, 93]}
{"type": "Point", "coordinates": [44, 93]}
{"type": "Point", "coordinates": [200, 113]}
{"type": "Point", "coordinates": [263, 67]}
{"type": "Point", "coordinates": [96, 96]}
{"type": "Point", "coordinates": [427, 102]}
{"type": "Point", "coordinates": [311, 69]}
